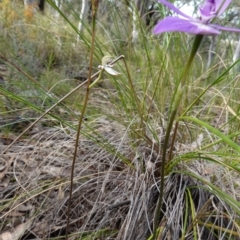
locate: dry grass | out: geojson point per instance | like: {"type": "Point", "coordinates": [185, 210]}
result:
{"type": "Point", "coordinates": [117, 173]}
{"type": "Point", "coordinates": [111, 200]}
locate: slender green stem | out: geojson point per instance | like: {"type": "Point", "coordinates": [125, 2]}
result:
{"type": "Point", "coordinates": [159, 203]}
{"type": "Point", "coordinates": [173, 140]}
{"type": "Point", "coordinates": [94, 15]}
{"type": "Point", "coordinates": [97, 80]}
{"type": "Point", "coordinates": [174, 111]}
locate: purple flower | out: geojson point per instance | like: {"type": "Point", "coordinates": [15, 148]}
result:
{"type": "Point", "coordinates": [208, 11]}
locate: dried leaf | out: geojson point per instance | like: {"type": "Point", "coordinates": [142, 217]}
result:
{"type": "Point", "coordinates": [6, 236]}
{"type": "Point", "coordinates": [14, 213]}
{"type": "Point", "coordinates": [60, 193]}
{"type": "Point", "coordinates": [4, 165]}
{"type": "Point", "coordinates": [16, 233]}
{"type": "Point", "coordinates": [55, 171]}
{"type": "Point", "coordinates": [24, 208]}
{"type": "Point", "coordinates": [198, 142]}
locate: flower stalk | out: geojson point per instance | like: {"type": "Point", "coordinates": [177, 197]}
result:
{"type": "Point", "coordinates": [177, 100]}
{"type": "Point", "coordinates": [198, 26]}
{"type": "Point", "coordinates": [94, 17]}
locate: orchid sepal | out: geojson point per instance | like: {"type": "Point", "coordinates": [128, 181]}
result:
{"type": "Point", "coordinates": [202, 25]}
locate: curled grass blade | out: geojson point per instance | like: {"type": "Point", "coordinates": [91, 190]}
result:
{"type": "Point", "coordinates": [221, 135]}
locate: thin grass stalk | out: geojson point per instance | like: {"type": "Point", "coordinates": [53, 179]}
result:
{"type": "Point", "coordinates": [218, 80]}
{"type": "Point", "coordinates": [186, 213]}
{"type": "Point", "coordinates": [140, 111]}
{"type": "Point", "coordinates": [218, 133]}
{"type": "Point", "coordinates": [32, 79]}
{"type": "Point", "coordinates": [232, 202]}
{"type": "Point", "coordinates": [193, 213]}
{"type": "Point", "coordinates": [196, 218]}
{"type": "Point", "coordinates": [24, 73]}
{"type": "Point", "coordinates": [47, 112]}
{"type": "Point", "coordinates": [53, 5]}
{"type": "Point", "coordinates": [52, 107]}
{"type": "Point", "coordinates": [94, 15]}
{"type": "Point", "coordinates": [45, 188]}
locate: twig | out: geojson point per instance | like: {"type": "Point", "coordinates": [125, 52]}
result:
{"type": "Point", "coordinates": [120, 204]}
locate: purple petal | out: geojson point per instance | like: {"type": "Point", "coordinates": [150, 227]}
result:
{"type": "Point", "coordinates": [221, 6]}
{"type": "Point", "coordinates": [175, 24]}
{"type": "Point", "coordinates": [213, 8]}
{"type": "Point", "coordinates": [172, 7]}
{"type": "Point", "coordinates": [208, 10]}
{"type": "Point", "coordinates": [225, 28]}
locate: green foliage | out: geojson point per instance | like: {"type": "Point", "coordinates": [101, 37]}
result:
{"type": "Point", "coordinates": [46, 62]}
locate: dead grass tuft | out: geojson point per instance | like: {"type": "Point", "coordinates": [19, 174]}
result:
{"type": "Point", "coordinates": [111, 200]}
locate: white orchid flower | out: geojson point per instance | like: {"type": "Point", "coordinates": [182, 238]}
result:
{"type": "Point", "coordinates": [107, 66]}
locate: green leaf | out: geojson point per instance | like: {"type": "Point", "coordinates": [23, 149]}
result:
{"type": "Point", "coordinates": [222, 136]}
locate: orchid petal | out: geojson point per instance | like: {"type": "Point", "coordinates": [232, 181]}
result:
{"type": "Point", "coordinates": [221, 6]}
{"type": "Point", "coordinates": [172, 7]}
{"type": "Point", "coordinates": [106, 60]}
{"type": "Point", "coordinates": [213, 8]}
{"type": "Point", "coordinates": [228, 29]}
{"type": "Point", "coordinates": [175, 24]}
{"type": "Point", "coordinates": [208, 10]}
{"type": "Point", "coordinates": [111, 71]}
